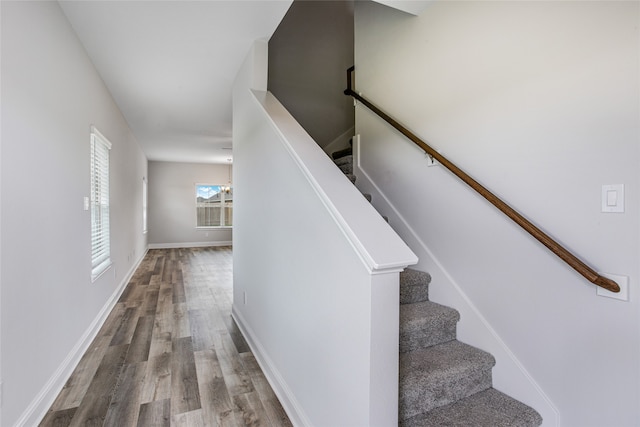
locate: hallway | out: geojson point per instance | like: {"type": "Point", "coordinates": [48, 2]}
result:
{"type": "Point", "coordinates": [169, 354]}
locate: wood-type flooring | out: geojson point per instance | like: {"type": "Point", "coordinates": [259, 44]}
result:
{"type": "Point", "coordinates": [169, 354]}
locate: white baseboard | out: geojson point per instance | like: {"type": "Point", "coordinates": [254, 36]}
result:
{"type": "Point", "coordinates": [189, 245]}
{"type": "Point", "coordinates": [38, 408]}
{"type": "Point", "coordinates": [285, 396]}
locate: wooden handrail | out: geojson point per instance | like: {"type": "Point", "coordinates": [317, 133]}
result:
{"type": "Point", "coordinates": [573, 261]}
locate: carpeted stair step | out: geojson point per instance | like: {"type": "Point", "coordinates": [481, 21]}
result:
{"type": "Point", "coordinates": [489, 408]}
{"type": "Point", "coordinates": [443, 382]}
{"type": "Point", "coordinates": [341, 153]}
{"type": "Point", "coordinates": [345, 164]}
{"type": "Point", "coordinates": [345, 160]}
{"type": "Point", "coordinates": [426, 323]}
{"type": "Point", "coordinates": [442, 374]}
{"type": "Point", "coordinates": [414, 286]}
{"type": "Point", "coordinates": [346, 168]}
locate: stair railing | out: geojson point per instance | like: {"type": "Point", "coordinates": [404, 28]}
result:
{"type": "Point", "coordinates": [573, 261]}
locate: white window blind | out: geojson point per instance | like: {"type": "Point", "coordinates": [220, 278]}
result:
{"type": "Point", "coordinates": [100, 245]}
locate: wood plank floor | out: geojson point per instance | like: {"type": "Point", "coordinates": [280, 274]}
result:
{"type": "Point", "coordinates": [169, 354]}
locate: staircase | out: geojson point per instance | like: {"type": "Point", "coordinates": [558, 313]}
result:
{"type": "Point", "coordinates": [443, 382]}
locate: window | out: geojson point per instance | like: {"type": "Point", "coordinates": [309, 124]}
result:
{"type": "Point", "coordinates": [214, 205]}
{"type": "Point", "coordinates": [144, 204]}
{"type": "Point", "coordinates": [100, 245]}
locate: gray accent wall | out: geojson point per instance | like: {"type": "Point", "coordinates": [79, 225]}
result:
{"type": "Point", "coordinates": [172, 209]}
{"type": "Point", "coordinates": [309, 54]}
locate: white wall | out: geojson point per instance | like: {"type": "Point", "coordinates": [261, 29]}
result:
{"type": "Point", "coordinates": [315, 269]}
{"type": "Point", "coordinates": [51, 95]}
{"type": "Point", "coordinates": [172, 207]}
{"type": "Point", "coordinates": [540, 102]}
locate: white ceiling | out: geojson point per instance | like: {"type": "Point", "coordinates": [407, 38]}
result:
{"type": "Point", "coordinates": [170, 66]}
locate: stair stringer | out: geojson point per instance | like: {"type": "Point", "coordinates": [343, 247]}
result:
{"type": "Point", "coordinates": [509, 374]}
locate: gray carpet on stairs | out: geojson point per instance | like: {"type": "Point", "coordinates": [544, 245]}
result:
{"type": "Point", "coordinates": [441, 374]}
{"type": "Point", "coordinates": [414, 286]}
{"type": "Point", "coordinates": [489, 408]}
{"type": "Point", "coordinates": [443, 382]}
{"type": "Point", "coordinates": [426, 323]}
{"type": "Point", "coordinates": [345, 164]}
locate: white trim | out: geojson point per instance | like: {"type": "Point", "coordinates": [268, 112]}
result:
{"type": "Point", "coordinates": [101, 270]}
{"type": "Point", "coordinates": [100, 203]}
{"type": "Point", "coordinates": [286, 397]}
{"type": "Point", "coordinates": [377, 245]}
{"type": "Point", "coordinates": [105, 140]}
{"type": "Point", "coordinates": [37, 410]}
{"type": "Point", "coordinates": [189, 244]}
{"type": "Point", "coordinates": [145, 205]}
{"type": "Point", "coordinates": [412, 7]}
{"type": "Point", "coordinates": [222, 206]}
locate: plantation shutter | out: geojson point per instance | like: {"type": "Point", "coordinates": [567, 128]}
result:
{"type": "Point", "coordinates": [100, 245]}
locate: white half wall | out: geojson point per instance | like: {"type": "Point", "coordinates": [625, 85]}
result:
{"type": "Point", "coordinates": [315, 271]}
{"type": "Point", "coordinates": [51, 95]}
{"type": "Point", "coordinates": [172, 204]}
{"type": "Point", "coordinates": [540, 102]}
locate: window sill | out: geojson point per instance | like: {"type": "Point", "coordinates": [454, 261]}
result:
{"type": "Point", "coordinates": [100, 270]}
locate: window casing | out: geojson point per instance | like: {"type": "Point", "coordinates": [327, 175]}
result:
{"type": "Point", "coordinates": [214, 206]}
{"type": "Point", "coordinates": [100, 233]}
{"type": "Point", "coordinates": [144, 204]}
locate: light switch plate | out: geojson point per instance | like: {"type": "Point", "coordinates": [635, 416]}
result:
{"type": "Point", "coordinates": [622, 281]}
{"type": "Point", "coordinates": [613, 198]}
